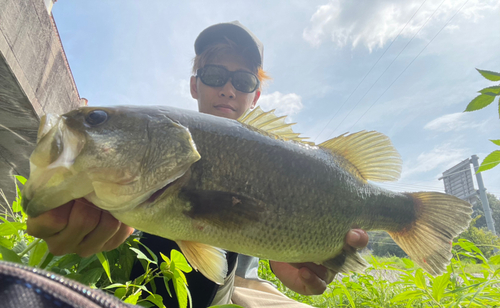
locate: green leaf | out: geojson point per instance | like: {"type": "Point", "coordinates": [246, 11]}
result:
{"type": "Point", "coordinates": [439, 285]}
{"type": "Point", "coordinates": [165, 258]}
{"type": "Point", "coordinates": [420, 279]}
{"type": "Point", "coordinates": [105, 264]}
{"type": "Point", "coordinates": [180, 261]}
{"type": "Point", "coordinates": [181, 290]}
{"type": "Point", "coordinates": [493, 91]}
{"type": "Point", "coordinates": [495, 260]}
{"type": "Point", "coordinates": [166, 280]}
{"type": "Point", "coordinates": [120, 292]}
{"type": "Point", "coordinates": [156, 299]}
{"type": "Point", "coordinates": [9, 255]}
{"type": "Point", "coordinates": [21, 179]}
{"type": "Point", "coordinates": [479, 102]}
{"type": "Point", "coordinates": [141, 255]}
{"type": "Point", "coordinates": [490, 161]}
{"type": "Point", "coordinates": [68, 261]}
{"type": "Point", "coordinates": [46, 260]}
{"type": "Point", "coordinates": [493, 76]}
{"type": "Point", "coordinates": [408, 263]}
{"type": "Point", "coordinates": [497, 142]}
{"type": "Point", "coordinates": [153, 255]}
{"type": "Point", "coordinates": [348, 295]}
{"type": "Point", "coordinates": [37, 253]}
{"type": "Point", "coordinates": [181, 274]}
{"type": "Point", "coordinates": [11, 228]}
{"type": "Point", "coordinates": [410, 294]}
{"type": "Point", "coordinates": [84, 262]}
{"type": "Point", "coordinates": [16, 207]}
{"type": "Point", "coordinates": [6, 243]}
{"type": "Point", "coordinates": [115, 285]}
{"type": "Point", "coordinates": [91, 276]}
{"type": "Point", "coordinates": [133, 298]}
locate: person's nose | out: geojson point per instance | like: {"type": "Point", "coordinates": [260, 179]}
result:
{"type": "Point", "coordinates": [228, 90]}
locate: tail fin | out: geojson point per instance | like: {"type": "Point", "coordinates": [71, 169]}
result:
{"type": "Point", "coordinates": [428, 241]}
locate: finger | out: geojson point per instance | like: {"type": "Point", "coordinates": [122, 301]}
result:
{"type": "Point", "coordinates": [94, 241]}
{"type": "Point", "coordinates": [50, 222]}
{"type": "Point", "coordinates": [123, 233]}
{"type": "Point", "coordinates": [82, 220]}
{"type": "Point", "coordinates": [313, 285]}
{"type": "Point", "coordinates": [357, 238]}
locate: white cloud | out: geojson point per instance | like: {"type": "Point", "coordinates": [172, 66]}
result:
{"type": "Point", "coordinates": [285, 104]}
{"type": "Point", "coordinates": [375, 23]}
{"type": "Point", "coordinates": [452, 122]}
{"type": "Point", "coordinates": [442, 156]}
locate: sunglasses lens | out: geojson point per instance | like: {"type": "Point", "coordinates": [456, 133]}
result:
{"type": "Point", "coordinates": [245, 82]}
{"type": "Point", "coordinates": [214, 76]}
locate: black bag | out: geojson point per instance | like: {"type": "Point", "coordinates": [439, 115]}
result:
{"type": "Point", "coordinates": [23, 286]}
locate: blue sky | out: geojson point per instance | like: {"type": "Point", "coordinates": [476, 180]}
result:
{"type": "Point", "coordinates": [403, 68]}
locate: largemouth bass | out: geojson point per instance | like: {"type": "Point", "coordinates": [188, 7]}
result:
{"type": "Point", "coordinates": [250, 186]}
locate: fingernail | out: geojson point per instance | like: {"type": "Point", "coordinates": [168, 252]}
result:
{"type": "Point", "coordinates": [306, 275]}
{"type": "Point", "coordinates": [355, 236]}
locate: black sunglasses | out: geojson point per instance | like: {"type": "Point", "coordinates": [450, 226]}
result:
{"type": "Point", "coordinates": [218, 76]}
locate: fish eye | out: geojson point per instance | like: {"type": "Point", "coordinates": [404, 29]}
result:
{"type": "Point", "coordinates": [96, 117]}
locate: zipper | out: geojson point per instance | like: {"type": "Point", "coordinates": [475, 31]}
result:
{"type": "Point", "coordinates": [97, 296]}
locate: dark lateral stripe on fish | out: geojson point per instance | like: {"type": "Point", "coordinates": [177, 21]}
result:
{"type": "Point", "coordinates": [222, 208]}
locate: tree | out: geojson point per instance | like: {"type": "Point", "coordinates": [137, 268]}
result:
{"type": "Point", "coordinates": [495, 212]}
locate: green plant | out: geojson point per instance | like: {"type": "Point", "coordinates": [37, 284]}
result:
{"type": "Point", "coordinates": [383, 245]}
{"type": "Point", "coordinates": [398, 282]}
{"type": "Point", "coordinates": [484, 99]}
{"type": "Point", "coordinates": [107, 270]}
{"type": "Point", "coordinates": [494, 203]}
{"type": "Point", "coordinates": [481, 237]}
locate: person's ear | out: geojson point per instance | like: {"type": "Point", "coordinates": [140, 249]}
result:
{"type": "Point", "coordinates": [193, 88]}
{"type": "Point", "coordinates": [256, 98]}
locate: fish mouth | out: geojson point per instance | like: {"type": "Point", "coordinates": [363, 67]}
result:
{"type": "Point", "coordinates": [157, 194]}
{"type": "Point", "coordinates": [50, 168]}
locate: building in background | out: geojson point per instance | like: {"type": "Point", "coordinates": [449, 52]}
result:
{"type": "Point", "coordinates": [458, 182]}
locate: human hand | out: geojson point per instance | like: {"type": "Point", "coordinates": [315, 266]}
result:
{"type": "Point", "coordinates": [310, 278]}
{"type": "Point", "coordinates": [78, 227]}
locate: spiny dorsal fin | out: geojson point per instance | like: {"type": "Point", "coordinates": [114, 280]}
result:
{"type": "Point", "coordinates": [272, 125]}
{"type": "Point", "coordinates": [370, 154]}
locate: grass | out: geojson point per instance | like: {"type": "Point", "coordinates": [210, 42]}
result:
{"type": "Point", "coordinates": [398, 282]}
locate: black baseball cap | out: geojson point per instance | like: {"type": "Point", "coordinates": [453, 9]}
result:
{"type": "Point", "coordinates": [234, 31]}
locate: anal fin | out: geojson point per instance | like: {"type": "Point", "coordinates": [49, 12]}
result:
{"type": "Point", "coordinates": [209, 260]}
{"type": "Point", "coordinates": [345, 262]}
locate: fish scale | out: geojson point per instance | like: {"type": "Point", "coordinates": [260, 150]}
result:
{"type": "Point", "coordinates": [211, 183]}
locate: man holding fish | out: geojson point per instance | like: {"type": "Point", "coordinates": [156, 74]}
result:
{"type": "Point", "coordinates": [227, 83]}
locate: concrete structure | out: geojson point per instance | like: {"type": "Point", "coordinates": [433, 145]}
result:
{"type": "Point", "coordinates": [35, 79]}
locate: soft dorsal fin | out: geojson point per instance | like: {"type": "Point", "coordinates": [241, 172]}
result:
{"type": "Point", "coordinates": [272, 125]}
{"type": "Point", "coordinates": [371, 155]}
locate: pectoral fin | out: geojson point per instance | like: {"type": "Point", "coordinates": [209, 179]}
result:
{"type": "Point", "coordinates": [209, 260]}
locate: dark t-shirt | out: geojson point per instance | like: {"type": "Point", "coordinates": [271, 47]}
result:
{"type": "Point", "coordinates": [202, 290]}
